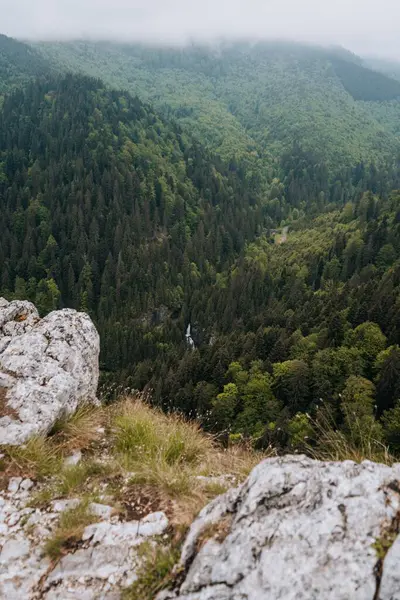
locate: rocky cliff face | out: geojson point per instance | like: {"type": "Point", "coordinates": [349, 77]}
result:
{"type": "Point", "coordinates": [48, 367]}
{"type": "Point", "coordinates": [298, 529]}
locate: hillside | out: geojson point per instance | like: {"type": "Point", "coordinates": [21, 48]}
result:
{"type": "Point", "coordinates": [251, 101]}
{"type": "Point", "coordinates": [110, 208]}
{"type": "Point", "coordinates": [227, 218]}
{"type": "Point", "coordinates": [233, 296]}
{"type": "Point", "coordinates": [313, 321]}
{"type": "Point", "coordinates": [365, 84]}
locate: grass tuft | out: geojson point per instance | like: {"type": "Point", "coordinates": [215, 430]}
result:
{"type": "Point", "coordinates": [214, 489]}
{"type": "Point", "coordinates": [79, 430]}
{"type": "Point", "coordinates": [41, 498]}
{"type": "Point", "coordinates": [76, 479]}
{"type": "Point", "coordinates": [37, 458]}
{"type": "Point", "coordinates": [73, 481]}
{"type": "Point", "coordinates": [43, 456]}
{"type": "Point", "coordinates": [155, 572]}
{"type": "Point", "coordinates": [141, 432]}
{"type": "Point", "coordinates": [334, 445]}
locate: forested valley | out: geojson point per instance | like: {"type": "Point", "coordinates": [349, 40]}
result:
{"type": "Point", "coordinates": [241, 264]}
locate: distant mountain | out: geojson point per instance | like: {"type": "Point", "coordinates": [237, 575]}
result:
{"type": "Point", "coordinates": [19, 62]}
{"type": "Point", "coordinates": [252, 101]}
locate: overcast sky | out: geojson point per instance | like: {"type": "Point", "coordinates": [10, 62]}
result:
{"type": "Point", "coordinates": [365, 26]}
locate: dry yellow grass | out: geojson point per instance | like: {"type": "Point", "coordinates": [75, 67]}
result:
{"type": "Point", "coordinates": [42, 456]}
{"type": "Point", "coordinates": [38, 458]}
{"type": "Point", "coordinates": [167, 452]}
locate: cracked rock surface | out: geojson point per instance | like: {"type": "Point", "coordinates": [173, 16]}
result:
{"type": "Point", "coordinates": [48, 368]}
{"type": "Point", "coordinates": [298, 529]}
{"type": "Point", "coordinates": [100, 567]}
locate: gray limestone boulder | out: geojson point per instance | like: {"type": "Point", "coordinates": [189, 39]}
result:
{"type": "Point", "coordinates": [48, 368]}
{"type": "Point", "coordinates": [298, 529]}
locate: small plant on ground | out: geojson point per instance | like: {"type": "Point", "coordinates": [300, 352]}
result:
{"type": "Point", "coordinates": [69, 530]}
{"type": "Point", "coordinates": [73, 481]}
{"type": "Point", "coordinates": [76, 479]}
{"type": "Point", "coordinates": [218, 531]}
{"type": "Point", "coordinates": [42, 498]}
{"type": "Point", "coordinates": [214, 489]}
{"type": "Point", "coordinates": [383, 544]}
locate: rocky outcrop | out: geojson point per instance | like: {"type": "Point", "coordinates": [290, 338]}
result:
{"type": "Point", "coordinates": [48, 367]}
{"type": "Point", "coordinates": [298, 529]}
{"type": "Point", "coordinates": [103, 563]}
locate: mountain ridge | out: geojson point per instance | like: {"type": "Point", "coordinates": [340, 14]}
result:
{"type": "Point", "coordinates": [245, 100]}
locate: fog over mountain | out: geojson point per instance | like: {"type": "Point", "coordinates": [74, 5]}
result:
{"type": "Point", "coordinates": [364, 26]}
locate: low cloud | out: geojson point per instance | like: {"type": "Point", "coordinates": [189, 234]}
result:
{"type": "Point", "coordinates": [365, 26]}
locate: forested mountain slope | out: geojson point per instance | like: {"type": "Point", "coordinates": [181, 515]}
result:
{"type": "Point", "coordinates": [252, 101]}
{"type": "Point", "coordinates": [386, 112]}
{"type": "Point", "coordinates": [19, 62]}
{"type": "Point", "coordinates": [109, 208]}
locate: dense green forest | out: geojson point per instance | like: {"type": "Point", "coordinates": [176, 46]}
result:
{"type": "Point", "coordinates": [313, 320]}
{"type": "Point", "coordinates": [236, 241]}
{"type": "Point", "coordinates": [109, 208]}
